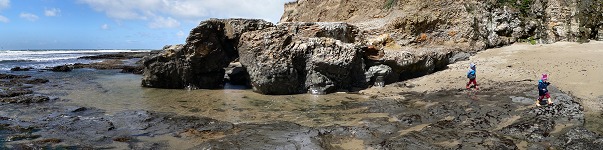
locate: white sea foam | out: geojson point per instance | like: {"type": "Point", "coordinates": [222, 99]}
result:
{"type": "Point", "coordinates": [48, 58]}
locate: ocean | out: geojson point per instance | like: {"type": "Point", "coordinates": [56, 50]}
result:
{"type": "Point", "coordinates": [40, 59]}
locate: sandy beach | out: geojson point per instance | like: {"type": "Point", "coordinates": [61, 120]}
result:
{"type": "Point", "coordinates": [572, 67]}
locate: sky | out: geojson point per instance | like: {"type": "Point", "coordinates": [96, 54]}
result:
{"type": "Point", "coordinates": [117, 24]}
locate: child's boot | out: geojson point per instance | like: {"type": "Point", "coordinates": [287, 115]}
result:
{"type": "Point", "coordinates": [550, 102]}
{"type": "Point", "coordinates": [537, 102]}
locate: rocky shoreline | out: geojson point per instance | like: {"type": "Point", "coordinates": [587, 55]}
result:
{"type": "Point", "coordinates": [494, 118]}
{"type": "Point", "coordinates": [355, 56]}
{"type": "Point", "coordinates": [109, 61]}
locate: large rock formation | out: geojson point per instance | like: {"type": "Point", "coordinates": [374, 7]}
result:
{"type": "Point", "coordinates": [471, 25]}
{"type": "Point", "coordinates": [376, 41]}
{"type": "Point", "coordinates": [200, 62]}
{"type": "Point", "coordinates": [296, 57]}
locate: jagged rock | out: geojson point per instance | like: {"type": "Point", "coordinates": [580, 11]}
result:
{"type": "Point", "coordinates": [62, 68]}
{"type": "Point", "coordinates": [580, 138]}
{"type": "Point", "coordinates": [293, 57]}
{"type": "Point", "coordinates": [200, 62]}
{"type": "Point", "coordinates": [25, 99]}
{"type": "Point", "coordinates": [407, 64]}
{"type": "Point", "coordinates": [281, 135]}
{"type": "Point", "coordinates": [120, 55]}
{"type": "Point", "coordinates": [132, 69]}
{"type": "Point", "coordinates": [12, 76]}
{"type": "Point", "coordinates": [29, 81]}
{"type": "Point", "coordinates": [21, 69]}
{"type": "Point", "coordinates": [376, 75]}
{"type": "Point", "coordinates": [12, 92]}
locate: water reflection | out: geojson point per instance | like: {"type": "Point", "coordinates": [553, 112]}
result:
{"type": "Point", "coordinates": [119, 92]}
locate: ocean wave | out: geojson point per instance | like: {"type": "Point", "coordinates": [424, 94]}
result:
{"type": "Point", "coordinates": [14, 61]}
{"type": "Point", "coordinates": [37, 52]}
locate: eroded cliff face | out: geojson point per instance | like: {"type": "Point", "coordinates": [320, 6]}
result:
{"type": "Point", "coordinates": [472, 25]}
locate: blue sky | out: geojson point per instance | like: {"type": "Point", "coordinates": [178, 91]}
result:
{"type": "Point", "coordinates": [117, 24]}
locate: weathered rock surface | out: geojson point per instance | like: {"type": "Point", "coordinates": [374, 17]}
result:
{"type": "Point", "coordinates": [62, 68]}
{"type": "Point", "coordinates": [293, 58]}
{"type": "Point", "coordinates": [17, 89]}
{"type": "Point", "coordinates": [472, 25]}
{"type": "Point", "coordinates": [200, 62]}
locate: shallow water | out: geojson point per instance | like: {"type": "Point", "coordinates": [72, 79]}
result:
{"type": "Point", "coordinates": [408, 114]}
{"type": "Point", "coordinates": [115, 92]}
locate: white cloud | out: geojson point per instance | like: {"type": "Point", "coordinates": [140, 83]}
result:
{"type": "Point", "coordinates": [160, 12]}
{"type": "Point", "coordinates": [105, 26]}
{"type": "Point", "coordinates": [161, 22]}
{"type": "Point", "coordinates": [180, 33]}
{"type": "Point", "coordinates": [4, 4]}
{"type": "Point", "coordinates": [52, 12]}
{"type": "Point", "coordinates": [4, 19]}
{"type": "Point", "coordinates": [29, 16]}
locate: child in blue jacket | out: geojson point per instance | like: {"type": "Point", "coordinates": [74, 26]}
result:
{"type": "Point", "coordinates": [471, 75]}
{"type": "Point", "coordinates": [543, 91]}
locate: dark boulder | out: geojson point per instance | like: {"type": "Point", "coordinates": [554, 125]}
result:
{"type": "Point", "coordinates": [200, 62]}
{"type": "Point", "coordinates": [133, 69]}
{"type": "Point", "coordinates": [62, 68]}
{"type": "Point", "coordinates": [21, 69]}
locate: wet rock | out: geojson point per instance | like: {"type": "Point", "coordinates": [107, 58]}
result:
{"type": "Point", "coordinates": [21, 69]}
{"type": "Point", "coordinates": [25, 99]}
{"type": "Point", "coordinates": [533, 129]}
{"type": "Point", "coordinates": [12, 92]}
{"type": "Point", "coordinates": [29, 81]}
{"type": "Point", "coordinates": [377, 75]}
{"type": "Point", "coordinates": [580, 138]}
{"type": "Point", "coordinates": [132, 69]}
{"type": "Point", "coordinates": [12, 76]}
{"type": "Point", "coordinates": [62, 68]}
{"type": "Point", "coordinates": [120, 55]}
{"type": "Point", "coordinates": [21, 137]}
{"type": "Point", "coordinates": [76, 109]}
{"type": "Point", "coordinates": [144, 122]}
{"type": "Point", "coordinates": [410, 142]}
{"type": "Point", "coordinates": [200, 62]}
{"type": "Point", "coordinates": [122, 139]}
{"type": "Point", "coordinates": [281, 135]}
{"type": "Point", "coordinates": [563, 107]}
{"type": "Point", "coordinates": [51, 141]}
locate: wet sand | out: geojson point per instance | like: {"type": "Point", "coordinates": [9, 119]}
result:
{"type": "Point", "coordinates": [574, 68]}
